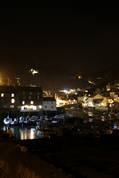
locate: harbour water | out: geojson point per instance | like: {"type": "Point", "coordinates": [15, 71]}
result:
{"type": "Point", "coordinates": [24, 133]}
{"type": "Point", "coordinates": [31, 127]}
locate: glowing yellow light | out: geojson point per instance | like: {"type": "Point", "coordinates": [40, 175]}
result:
{"type": "Point", "coordinates": [23, 102]}
{"type": "Point", "coordinates": [2, 95]}
{"type": "Point", "coordinates": [79, 77]}
{"type": "Point", "coordinates": [84, 104]}
{"type": "Point", "coordinates": [110, 101]}
{"type": "Point", "coordinates": [104, 103]}
{"type": "Point", "coordinates": [34, 108]}
{"type": "Point", "coordinates": [12, 100]}
{"type": "Point", "coordinates": [34, 71]}
{"type": "Point", "coordinates": [32, 102]}
{"type": "Point", "coordinates": [60, 102]}
{"type": "Point", "coordinates": [1, 82]}
{"type": "Point", "coordinates": [91, 82]}
{"type": "Point", "coordinates": [32, 134]}
{"type": "Point", "coordinates": [90, 104]}
{"type": "Point", "coordinates": [12, 95]}
{"type": "Point", "coordinates": [86, 91]}
{"type": "Point", "coordinates": [28, 107]}
{"type": "Point", "coordinates": [40, 106]}
{"type": "Point", "coordinates": [65, 91]}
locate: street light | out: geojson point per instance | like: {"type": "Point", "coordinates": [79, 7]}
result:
{"type": "Point", "coordinates": [33, 71]}
{"type": "Point", "coordinates": [91, 82]}
{"type": "Point", "coordinates": [79, 77]}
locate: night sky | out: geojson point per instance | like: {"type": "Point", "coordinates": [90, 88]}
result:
{"type": "Point", "coordinates": [60, 42]}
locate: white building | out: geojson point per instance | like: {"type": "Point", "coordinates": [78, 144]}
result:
{"type": "Point", "coordinates": [49, 104]}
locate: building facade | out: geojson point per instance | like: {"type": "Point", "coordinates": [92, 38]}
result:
{"type": "Point", "coordinates": [49, 104]}
{"type": "Point", "coordinates": [17, 97]}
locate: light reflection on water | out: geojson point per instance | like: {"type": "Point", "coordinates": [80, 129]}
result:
{"type": "Point", "coordinates": [24, 133]}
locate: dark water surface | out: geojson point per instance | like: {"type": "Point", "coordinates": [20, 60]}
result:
{"type": "Point", "coordinates": [24, 133]}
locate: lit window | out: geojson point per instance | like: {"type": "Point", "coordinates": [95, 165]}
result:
{"type": "Point", "coordinates": [12, 95]}
{"type": "Point", "coordinates": [11, 106]}
{"type": "Point", "coordinates": [23, 102]}
{"type": "Point", "coordinates": [32, 102]}
{"type": "Point", "coordinates": [34, 108]}
{"type": "Point", "coordinates": [12, 100]}
{"type": "Point", "coordinates": [2, 95]}
{"type": "Point", "coordinates": [40, 107]}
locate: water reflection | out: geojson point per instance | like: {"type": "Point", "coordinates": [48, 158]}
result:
{"type": "Point", "coordinates": [24, 133]}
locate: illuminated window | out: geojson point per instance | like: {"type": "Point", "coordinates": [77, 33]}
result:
{"type": "Point", "coordinates": [2, 95]}
{"type": "Point", "coordinates": [23, 102]}
{"type": "Point", "coordinates": [12, 95]}
{"type": "Point", "coordinates": [40, 107]}
{"type": "Point", "coordinates": [11, 106]}
{"type": "Point", "coordinates": [12, 100]}
{"type": "Point", "coordinates": [32, 102]}
{"type": "Point", "coordinates": [34, 107]}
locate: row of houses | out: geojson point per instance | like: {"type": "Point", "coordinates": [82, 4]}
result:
{"type": "Point", "coordinates": [25, 99]}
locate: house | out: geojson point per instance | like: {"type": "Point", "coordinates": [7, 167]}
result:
{"type": "Point", "coordinates": [49, 104]}
{"type": "Point", "coordinates": [20, 97]}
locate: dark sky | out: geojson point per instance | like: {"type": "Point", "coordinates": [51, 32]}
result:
{"type": "Point", "coordinates": [60, 42]}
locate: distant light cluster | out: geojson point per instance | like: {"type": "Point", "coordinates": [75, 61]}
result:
{"type": "Point", "coordinates": [34, 71]}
